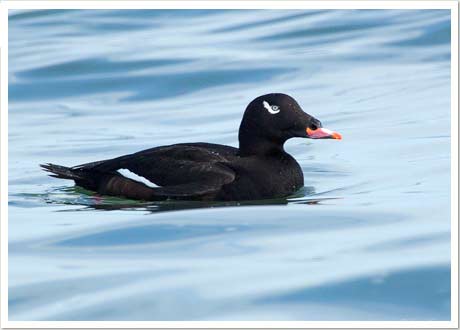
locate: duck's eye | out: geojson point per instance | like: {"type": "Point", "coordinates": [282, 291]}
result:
{"type": "Point", "coordinates": [273, 109]}
{"type": "Point", "coordinates": [313, 126]}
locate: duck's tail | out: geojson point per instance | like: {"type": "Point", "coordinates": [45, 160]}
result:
{"type": "Point", "coordinates": [61, 172]}
{"type": "Point", "coordinates": [105, 183]}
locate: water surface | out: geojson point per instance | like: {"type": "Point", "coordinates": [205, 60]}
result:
{"type": "Point", "coordinates": [367, 238]}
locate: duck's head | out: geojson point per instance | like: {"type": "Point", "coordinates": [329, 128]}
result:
{"type": "Point", "coordinates": [271, 119]}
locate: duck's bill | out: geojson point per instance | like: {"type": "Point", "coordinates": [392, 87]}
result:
{"type": "Point", "coordinates": [323, 133]}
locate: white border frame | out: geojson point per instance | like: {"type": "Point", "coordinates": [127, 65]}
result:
{"type": "Point", "coordinates": [278, 4]}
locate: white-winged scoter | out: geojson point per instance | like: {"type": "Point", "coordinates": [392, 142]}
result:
{"type": "Point", "coordinates": [258, 169]}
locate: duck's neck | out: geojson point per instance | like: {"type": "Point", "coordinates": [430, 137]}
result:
{"type": "Point", "coordinates": [253, 144]}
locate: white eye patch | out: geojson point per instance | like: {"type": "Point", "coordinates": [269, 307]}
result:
{"type": "Point", "coordinates": [273, 109]}
{"type": "Point", "coordinates": [133, 176]}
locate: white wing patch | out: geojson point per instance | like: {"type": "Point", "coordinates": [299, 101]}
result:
{"type": "Point", "coordinates": [133, 176]}
{"type": "Point", "coordinates": [273, 109]}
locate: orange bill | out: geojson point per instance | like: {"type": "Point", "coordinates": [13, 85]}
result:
{"type": "Point", "coordinates": [323, 133]}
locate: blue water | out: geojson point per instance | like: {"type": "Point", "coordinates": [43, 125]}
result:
{"type": "Point", "coordinates": [368, 238]}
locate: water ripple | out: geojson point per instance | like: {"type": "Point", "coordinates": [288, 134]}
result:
{"type": "Point", "coordinates": [367, 238]}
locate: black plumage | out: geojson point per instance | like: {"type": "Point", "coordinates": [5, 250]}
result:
{"type": "Point", "coordinates": [258, 169]}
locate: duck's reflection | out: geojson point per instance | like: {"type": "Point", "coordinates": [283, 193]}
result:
{"type": "Point", "coordinates": [81, 197]}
